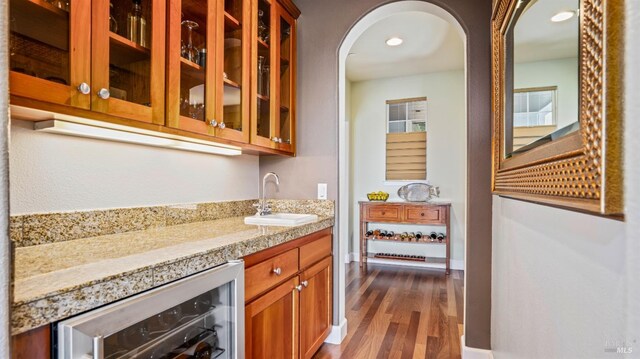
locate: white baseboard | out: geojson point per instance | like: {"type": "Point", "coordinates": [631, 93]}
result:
{"type": "Point", "coordinates": [338, 333]}
{"type": "Point", "coordinates": [456, 264]}
{"type": "Point", "coordinates": [473, 353]}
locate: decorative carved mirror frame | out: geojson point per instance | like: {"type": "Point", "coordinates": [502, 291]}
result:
{"type": "Point", "coordinates": [583, 170]}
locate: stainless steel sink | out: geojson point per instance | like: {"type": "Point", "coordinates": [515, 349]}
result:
{"type": "Point", "coordinates": [281, 219]}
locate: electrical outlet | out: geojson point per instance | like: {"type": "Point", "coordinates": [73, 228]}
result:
{"type": "Point", "coordinates": [322, 191]}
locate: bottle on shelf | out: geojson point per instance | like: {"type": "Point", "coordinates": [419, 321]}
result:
{"type": "Point", "coordinates": [383, 233]}
{"type": "Point", "coordinates": [433, 236]}
{"type": "Point", "coordinates": [137, 25]}
{"type": "Point", "coordinates": [113, 24]}
{"type": "Point", "coordinates": [440, 237]}
{"type": "Point", "coordinates": [390, 234]}
{"type": "Point", "coordinates": [404, 236]}
{"type": "Point", "coordinates": [418, 236]}
{"type": "Point", "coordinates": [369, 233]}
{"type": "Point", "coordinates": [412, 237]}
{"type": "Point", "coordinates": [376, 232]}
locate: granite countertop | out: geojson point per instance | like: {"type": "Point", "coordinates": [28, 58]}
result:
{"type": "Point", "coordinates": [57, 280]}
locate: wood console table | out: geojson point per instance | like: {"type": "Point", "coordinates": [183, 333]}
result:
{"type": "Point", "coordinates": [434, 214]}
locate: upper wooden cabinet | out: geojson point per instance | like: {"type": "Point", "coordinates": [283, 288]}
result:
{"type": "Point", "coordinates": [49, 49]}
{"type": "Point", "coordinates": [203, 68]}
{"type": "Point", "coordinates": [127, 52]}
{"type": "Point", "coordinates": [208, 57]}
{"type": "Point", "coordinates": [273, 79]}
{"type": "Point", "coordinates": [57, 57]}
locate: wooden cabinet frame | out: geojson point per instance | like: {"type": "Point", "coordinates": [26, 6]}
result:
{"type": "Point", "coordinates": [31, 87]}
{"type": "Point", "coordinates": [582, 171]}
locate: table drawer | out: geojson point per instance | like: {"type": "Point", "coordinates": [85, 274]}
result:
{"type": "Point", "coordinates": [424, 215]}
{"type": "Point", "coordinates": [383, 213]}
{"type": "Point", "coordinates": [311, 253]}
{"type": "Point", "coordinates": [270, 273]}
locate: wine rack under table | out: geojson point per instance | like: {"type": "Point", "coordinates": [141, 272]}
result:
{"type": "Point", "coordinates": [403, 213]}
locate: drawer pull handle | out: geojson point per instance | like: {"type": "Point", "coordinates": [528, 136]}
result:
{"type": "Point", "coordinates": [299, 288]}
{"type": "Point", "coordinates": [383, 213]}
{"type": "Point", "coordinates": [422, 214]}
{"type": "Point", "coordinates": [277, 271]}
{"type": "Point", "coordinates": [305, 283]}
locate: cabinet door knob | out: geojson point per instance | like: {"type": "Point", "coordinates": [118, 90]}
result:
{"type": "Point", "coordinates": [222, 126]}
{"type": "Point", "coordinates": [84, 88]}
{"type": "Point", "coordinates": [299, 288]}
{"type": "Point", "coordinates": [104, 93]}
{"type": "Point", "coordinates": [383, 213]}
{"type": "Point", "coordinates": [305, 283]}
{"type": "Point", "coordinates": [213, 123]}
{"type": "Point", "coordinates": [422, 214]}
{"type": "Point", "coordinates": [277, 271]}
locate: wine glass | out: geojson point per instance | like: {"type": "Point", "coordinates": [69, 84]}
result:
{"type": "Point", "coordinates": [190, 52]}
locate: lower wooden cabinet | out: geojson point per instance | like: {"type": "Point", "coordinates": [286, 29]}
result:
{"type": "Point", "coordinates": [292, 318]}
{"type": "Point", "coordinates": [315, 307]}
{"type": "Point", "coordinates": [272, 323]}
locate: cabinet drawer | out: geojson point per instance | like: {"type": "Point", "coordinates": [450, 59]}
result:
{"type": "Point", "coordinates": [386, 213]}
{"type": "Point", "coordinates": [312, 252]}
{"type": "Point", "coordinates": [270, 273]}
{"type": "Point", "coordinates": [424, 215]}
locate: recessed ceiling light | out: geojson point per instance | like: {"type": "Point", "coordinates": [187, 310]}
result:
{"type": "Point", "coordinates": [394, 41]}
{"type": "Point", "coordinates": [563, 16]}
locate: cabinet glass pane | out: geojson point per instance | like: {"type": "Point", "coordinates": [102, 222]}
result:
{"type": "Point", "coordinates": [285, 81]}
{"type": "Point", "coordinates": [193, 59]}
{"type": "Point", "coordinates": [130, 50]}
{"type": "Point", "coordinates": [201, 327]}
{"type": "Point", "coordinates": [232, 98]}
{"type": "Point", "coordinates": [264, 69]}
{"type": "Point", "coordinates": [39, 39]}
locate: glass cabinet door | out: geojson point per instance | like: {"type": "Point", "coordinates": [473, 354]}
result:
{"type": "Point", "coordinates": [285, 81]}
{"type": "Point", "coordinates": [128, 59]}
{"type": "Point", "coordinates": [263, 33]}
{"type": "Point", "coordinates": [49, 47]}
{"type": "Point", "coordinates": [232, 75]}
{"type": "Point", "coordinates": [191, 65]}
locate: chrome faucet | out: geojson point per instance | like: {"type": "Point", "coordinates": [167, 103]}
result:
{"type": "Point", "coordinates": [263, 207]}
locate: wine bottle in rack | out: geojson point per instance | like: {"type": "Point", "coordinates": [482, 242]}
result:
{"type": "Point", "coordinates": [383, 233]}
{"type": "Point", "coordinates": [440, 237]}
{"type": "Point", "coordinates": [376, 232]}
{"type": "Point", "coordinates": [433, 236]}
{"type": "Point", "coordinates": [412, 237]}
{"type": "Point", "coordinates": [390, 234]}
{"type": "Point", "coordinates": [369, 233]}
{"type": "Point", "coordinates": [418, 236]}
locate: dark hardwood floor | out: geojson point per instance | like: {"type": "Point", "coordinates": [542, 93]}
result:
{"type": "Point", "coordinates": [400, 312]}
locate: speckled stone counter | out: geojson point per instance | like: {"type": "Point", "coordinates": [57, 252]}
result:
{"type": "Point", "coordinates": [60, 279]}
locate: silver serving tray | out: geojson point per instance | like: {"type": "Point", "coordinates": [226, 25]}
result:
{"type": "Point", "coordinates": [418, 192]}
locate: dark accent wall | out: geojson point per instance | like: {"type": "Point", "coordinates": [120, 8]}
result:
{"type": "Point", "coordinates": [321, 29]}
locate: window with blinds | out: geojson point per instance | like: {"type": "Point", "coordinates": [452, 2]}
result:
{"type": "Point", "coordinates": [406, 152]}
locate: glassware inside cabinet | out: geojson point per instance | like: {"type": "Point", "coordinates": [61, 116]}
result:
{"type": "Point", "coordinates": [193, 58]}
{"type": "Point", "coordinates": [233, 60]}
{"type": "Point", "coordinates": [39, 39]}
{"type": "Point", "coordinates": [130, 50]}
{"type": "Point", "coordinates": [285, 81]}
{"type": "Point", "coordinates": [263, 73]}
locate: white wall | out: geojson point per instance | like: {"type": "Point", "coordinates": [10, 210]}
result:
{"type": "Point", "coordinates": [5, 247]}
{"type": "Point", "coordinates": [51, 172]}
{"type": "Point", "coordinates": [562, 73]}
{"type": "Point", "coordinates": [566, 284]}
{"type": "Point", "coordinates": [446, 142]}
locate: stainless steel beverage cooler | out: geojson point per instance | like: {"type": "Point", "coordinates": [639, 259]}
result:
{"type": "Point", "coordinates": [199, 317]}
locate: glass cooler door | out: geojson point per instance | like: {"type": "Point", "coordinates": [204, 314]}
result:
{"type": "Point", "coordinates": [199, 317]}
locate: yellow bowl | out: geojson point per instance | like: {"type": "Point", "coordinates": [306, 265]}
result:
{"type": "Point", "coordinates": [377, 197]}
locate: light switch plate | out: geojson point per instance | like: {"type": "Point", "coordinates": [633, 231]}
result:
{"type": "Point", "coordinates": [322, 191]}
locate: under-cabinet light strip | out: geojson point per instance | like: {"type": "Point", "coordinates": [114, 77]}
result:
{"type": "Point", "coordinates": [120, 135]}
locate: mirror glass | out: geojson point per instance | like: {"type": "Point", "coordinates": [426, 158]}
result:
{"type": "Point", "coordinates": [542, 72]}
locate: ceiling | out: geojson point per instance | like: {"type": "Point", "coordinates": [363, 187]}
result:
{"type": "Point", "coordinates": [537, 38]}
{"type": "Point", "coordinates": [430, 44]}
